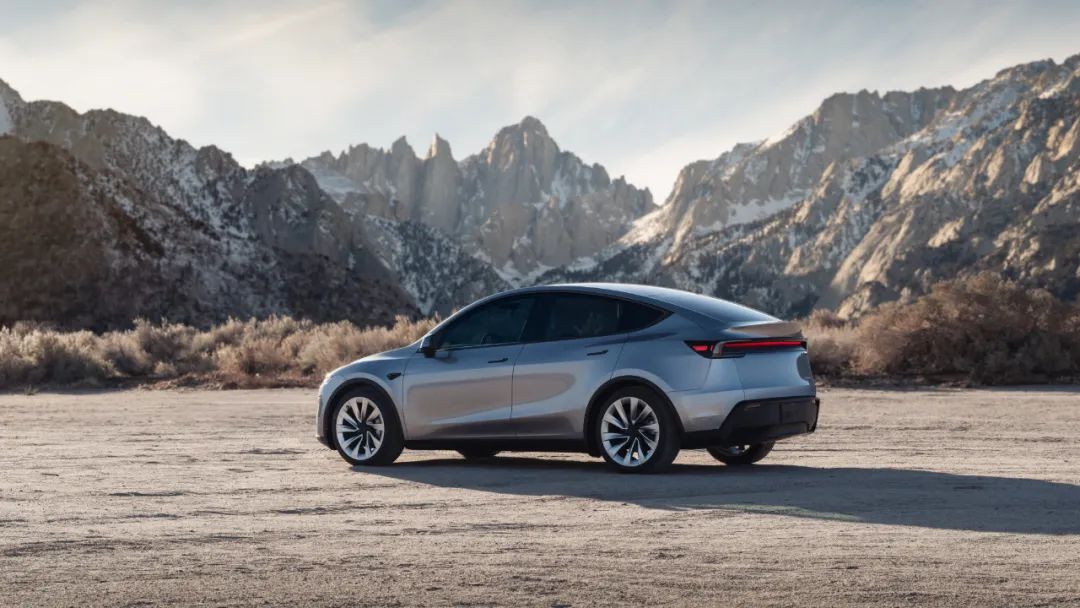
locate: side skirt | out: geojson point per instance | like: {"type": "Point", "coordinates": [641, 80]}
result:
{"type": "Point", "coordinates": [502, 445]}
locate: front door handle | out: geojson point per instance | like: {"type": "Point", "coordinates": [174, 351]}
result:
{"type": "Point", "coordinates": [595, 353]}
{"type": "Point", "coordinates": [503, 360]}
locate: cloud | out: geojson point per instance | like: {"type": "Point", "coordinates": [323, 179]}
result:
{"type": "Point", "coordinates": [641, 87]}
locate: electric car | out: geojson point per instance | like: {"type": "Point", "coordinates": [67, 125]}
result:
{"type": "Point", "coordinates": [630, 373]}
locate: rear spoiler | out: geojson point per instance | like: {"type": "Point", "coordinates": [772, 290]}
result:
{"type": "Point", "coordinates": [769, 329]}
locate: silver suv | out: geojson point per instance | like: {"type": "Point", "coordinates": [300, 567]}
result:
{"type": "Point", "coordinates": [631, 373]}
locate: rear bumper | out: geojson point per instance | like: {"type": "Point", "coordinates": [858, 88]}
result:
{"type": "Point", "coordinates": [758, 421]}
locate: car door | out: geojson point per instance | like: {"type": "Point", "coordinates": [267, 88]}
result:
{"type": "Point", "coordinates": [464, 390]}
{"type": "Point", "coordinates": [575, 352]}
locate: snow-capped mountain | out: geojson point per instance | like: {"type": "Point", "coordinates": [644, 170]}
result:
{"type": "Point", "coordinates": [522, 203]}
{"type": "Point", "coordinates": [214, 239]}
{"type": "Point", "coordinates": [755, 180]}
{"type": "Point", "coordinates": [168, 230]}
{"type": "Point", "coordinates": [870, 199]}
{"type": "Point", "coordinates": [874, 198]}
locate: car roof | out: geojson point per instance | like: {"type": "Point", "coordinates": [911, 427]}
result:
{"type": "Point", "coordinates": [686, 302]}
{"type": "Point", "coordinates": [650, 292]}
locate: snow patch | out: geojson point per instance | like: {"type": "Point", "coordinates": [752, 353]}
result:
{"type": "Point", "coordinates": [330, 181]}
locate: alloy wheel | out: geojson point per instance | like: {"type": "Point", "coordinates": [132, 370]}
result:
{"type": "Point", "coordinates": [630, 431]}
{"type": "Point", "coordinates": [360, 428]}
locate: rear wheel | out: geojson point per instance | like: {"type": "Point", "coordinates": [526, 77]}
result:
{"type": "Point", "coordinates": [366, 430]}
{"type": "Point", "coordinates": [637, 431]}
{"type": "Point", "coordinates": [477, 453]}
{"type": "Point", "coordinates": [742, 454]}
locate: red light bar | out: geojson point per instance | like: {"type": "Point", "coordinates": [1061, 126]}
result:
{"type": "Point", "coordinates": [751, 344]}
{"type": "Point", "coordinates": [712, 349]}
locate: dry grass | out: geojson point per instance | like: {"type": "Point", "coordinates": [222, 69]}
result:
{"type": "Point", "coordinates": [984, 330]}
{"type": "Point", "coordinates": [278, 351]}
{"type": "Point", "coordinates": [831, 342]}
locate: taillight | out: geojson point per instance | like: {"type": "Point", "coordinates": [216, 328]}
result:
{"type": "Point", "coordinates": [701, 348]}
{"type": "Point", "coordinates": [737, 348]}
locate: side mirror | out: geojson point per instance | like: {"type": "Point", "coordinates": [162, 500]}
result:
{"type": "Point", "coordinates": [427, 347]}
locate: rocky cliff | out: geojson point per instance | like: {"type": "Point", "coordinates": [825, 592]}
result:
{"type": "Point", "coordinates": [522, 204]}
{"type": "Point", "coordinates": [869, 199]}
{"type": "Point", "coordinates": [882, 195]}
{"type": "Point", "coordinates": [166, 230]}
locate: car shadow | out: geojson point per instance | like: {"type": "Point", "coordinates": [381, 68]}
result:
{"type": "Point", "coordinates": [904, 497]}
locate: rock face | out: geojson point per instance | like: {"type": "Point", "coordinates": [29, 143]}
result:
{"type": "Point", "coordinates": [108, 218]}
{"type": "Point", "coordinates": [432, 268]}
{"type": "Point", "coordinates": [756, 180]}
{"type": "Point", "coordinates": [522, 204]}
{"type": "Point", "coordinates": [870, 199]}
{"type": "Point", "coordinates": [67, 250]}
{"type": "Point", "coordinates": [874, 198]}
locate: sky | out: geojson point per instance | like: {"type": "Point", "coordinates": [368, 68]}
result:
{"type": "Point", "coordinates": [643, 88]}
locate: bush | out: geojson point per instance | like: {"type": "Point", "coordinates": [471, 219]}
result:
{"type": "Point", "coordinates": [831, 343]}
{"type": "Point", "coordinates": [30, 356]}
{"type": "Point", "coordinates": [984, 329]}
{"type": "Point", "coordinates": [277, 350]}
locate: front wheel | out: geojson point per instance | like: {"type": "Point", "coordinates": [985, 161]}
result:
{"type": "Point", "coordinates": [637, 431]}
{"type": "Point", "coordinates": [366, 430]}
{"type": "Point", "coordinates": [742, 454]}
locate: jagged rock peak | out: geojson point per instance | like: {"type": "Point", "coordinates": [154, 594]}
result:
{"type": "Point", "coordinates": [520, 201]}
{"type": "Point", "coordinates": [532, 123]}
{"type": "Point", "coordinates": [401, 147]}
{"type": "Point", "coordinates": [9, 94]}
{"type": "Point", "coordinates": [874, 198]}
{"type": "Point", "coordinates": [530, 131]}
{"type": "Point", "coordinates": [439, 148]}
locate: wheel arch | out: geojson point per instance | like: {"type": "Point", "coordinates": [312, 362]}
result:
{"type": "Point", "coordinates": [606, 390]}
{"type": "Point", "coordinates": [339, 392]}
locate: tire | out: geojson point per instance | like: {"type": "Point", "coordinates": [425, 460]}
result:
{"type": "Point", "coordinates": [654, 426]}
{"type": "Point", "coordinates": [477, 453]}
{"type": "Point", "coordinates": [367, 447]}
{"type": "Point", "coordinates": [742, 454]}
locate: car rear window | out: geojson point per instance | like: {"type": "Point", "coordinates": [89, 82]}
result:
{"type": "Point", "coordinates": [726, 312]}
{"type": "Point", "coordinates": [633, 316]}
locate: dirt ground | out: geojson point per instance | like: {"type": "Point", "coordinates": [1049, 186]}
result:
{"type": "Point", "coordinates": [929, 497]}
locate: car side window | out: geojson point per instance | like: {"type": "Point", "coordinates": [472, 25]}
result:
{"type": "Point", "coordinates": [581, 316]}
{"type": "Point", "coordinates": [500, 322]}
{"type": "Point", "coordinates": [634, 316]}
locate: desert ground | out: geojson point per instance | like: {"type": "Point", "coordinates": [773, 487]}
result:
{"type": "Point", "coordinates": [943, 497]}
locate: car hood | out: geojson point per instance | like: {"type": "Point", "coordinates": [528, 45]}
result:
{"type": "Point", "coordinates": [383, 359]}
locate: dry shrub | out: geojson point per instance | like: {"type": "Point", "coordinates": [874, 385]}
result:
{"type": "Point", "coordinates": [831, 343]}
{"type": "Point", "coordinates": [254, 357]}
{"type": "Point", "coordinates": [30, 356]}
{"type": "Point", "coordinates": [986, 328]}
{"type": "Point", "coordinates": [340, 342]}
{"type": "Point", "coordinates": [238, 352]}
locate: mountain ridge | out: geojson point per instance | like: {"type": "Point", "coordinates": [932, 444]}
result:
{"type": "Point", "coordinates": [860, 236]}
{"type": "Point", "coordinates": [868, 199]}
{"type": "Point", "coordinates": [522, 203]}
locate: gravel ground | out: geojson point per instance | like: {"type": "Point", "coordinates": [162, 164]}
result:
{"type": "Point", "coordinates": [928, 497]}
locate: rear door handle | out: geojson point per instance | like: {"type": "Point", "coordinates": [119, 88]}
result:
{"type": "Point", "coordinates": [595, 353]}
{"type": "Point", "coordinates": [503, 360]}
